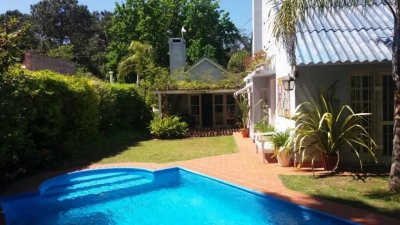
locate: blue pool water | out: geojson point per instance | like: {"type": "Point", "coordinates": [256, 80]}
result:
{"type": "Point", "coordinates": [166, 197]}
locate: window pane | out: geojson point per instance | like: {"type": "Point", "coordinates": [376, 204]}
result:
{"type": "Point", "coordinates": [219, 109]}
{"type": "Point", "coordinates": [218, 99]}
{"type": "Point", "coordinates": [195, 100]}
{"type": "Point", "coordinates": [195, 110]}
{"type": "Point", "coordinates": [230, 99]}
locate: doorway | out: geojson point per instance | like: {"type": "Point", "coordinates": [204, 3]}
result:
{"type": "Point", "coordinates": [207, 110]}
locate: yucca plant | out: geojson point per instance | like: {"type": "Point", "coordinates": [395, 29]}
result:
{"type": "Point", "coordinates": [320, 128]}
{"type": "Point", "coordinates": [244, 107]}
{"type": "Point", "coordinates": [281, 143]}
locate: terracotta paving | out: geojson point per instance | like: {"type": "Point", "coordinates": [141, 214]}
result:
{"type": "Point", "coordinates": [246, 168]}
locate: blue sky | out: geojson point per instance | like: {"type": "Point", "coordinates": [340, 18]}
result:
{"type": "Point", "coordinates": [239, 10]}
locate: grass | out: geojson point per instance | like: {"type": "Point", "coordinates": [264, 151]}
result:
{"type": "Point", "coordinates": [370, 193]}
{"type": "Point", "coordinates": [128, 147]}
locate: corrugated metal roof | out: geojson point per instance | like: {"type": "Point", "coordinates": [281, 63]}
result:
{"type": "Point", "coordinates": [361, 34]}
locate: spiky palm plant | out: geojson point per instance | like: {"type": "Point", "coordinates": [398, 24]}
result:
{"type": "Point", "coordinates": [323, 129]}
{"type": "Point", "coordinates": [244, 107]}
{"type": "Point", "coordinates": [140, 57]}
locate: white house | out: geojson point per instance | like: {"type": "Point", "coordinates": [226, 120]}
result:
{"type": "Point", "coordinates": [344, 50]}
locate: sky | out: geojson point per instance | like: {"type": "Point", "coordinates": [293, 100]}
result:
{"type": "Point", "coordinates": [239, 10]}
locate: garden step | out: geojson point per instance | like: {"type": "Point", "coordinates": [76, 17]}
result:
{"type": "Point", "coordinates": [85, 183]}
{"type": "Point", "coordinates": [132, 184]}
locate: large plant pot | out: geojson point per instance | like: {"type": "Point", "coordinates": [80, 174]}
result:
{"type": "Point", "coordinates": [284, 160]}
{"type": "Point", "coordinates": [329, 161]}
{"type": "Point", "coordinates": [245, 132]}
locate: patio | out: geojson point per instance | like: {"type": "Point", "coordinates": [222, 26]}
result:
{"type": "Point", "coordinates": [247, 169]}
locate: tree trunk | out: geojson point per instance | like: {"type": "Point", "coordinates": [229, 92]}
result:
{"type": "Point", "coordinates": [138, 79]}
{"type": "Point", "coordinates": [394, 177]}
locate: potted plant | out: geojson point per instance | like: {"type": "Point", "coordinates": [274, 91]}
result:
{"type": "Point", "coordinates": [326, 132]}
{"type": "Point", "coordinates": [244, 108]}
{"type": "Point", "coordinates": [283, 150]}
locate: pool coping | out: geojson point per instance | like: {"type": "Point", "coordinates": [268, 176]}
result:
{"type": "Point", "coordinates": [179, 168]}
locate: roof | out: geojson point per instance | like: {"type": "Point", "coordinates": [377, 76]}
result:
{"type": "Point", "coordinates": [202, 60]}
{"type": "Point", "coordinates": [361, 34]}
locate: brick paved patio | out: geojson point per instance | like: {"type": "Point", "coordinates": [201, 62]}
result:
{"type": "Point", "coordinates": [247, 169]}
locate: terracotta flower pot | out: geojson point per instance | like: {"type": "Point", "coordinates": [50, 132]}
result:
{"type": "Point", "coordinates": [329, 161]}
{"type": "Point", "coordinates": [245, 132]}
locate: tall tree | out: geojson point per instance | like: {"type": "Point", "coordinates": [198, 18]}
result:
{"type": "Point", "coordinates": [284, 29]}
{"type": "Point", "coordinates": [9, 39]}
{"type": "Point", "coordinates": [209, 30]}
{"type": "Point", "coordinates": [62, 21]}
{"type": "Point", "coordinates": [20, 21]}
{"type": "Point", "coordinates": [140, 58]}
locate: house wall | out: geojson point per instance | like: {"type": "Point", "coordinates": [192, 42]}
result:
{"type": "Point", "coordinates": [206, 70]}
{"type": "Point", "coordinates": [313, 79]}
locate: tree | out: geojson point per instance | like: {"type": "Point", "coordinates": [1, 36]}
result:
{"type": "Point", "coordinates": [9, 50]}
{"type": "Point", "coordinates": [62, 21]}
{"type": "Point", "coordinates": [237, 63]}
{"type": "Point", "coordinates": [21, 21]}
{"type": "Point", "coordinates": [139, 58]}
{"type": "Point", "coordinates": [284, 30]}
{"type": "Point", "coordinates": [209, 30]}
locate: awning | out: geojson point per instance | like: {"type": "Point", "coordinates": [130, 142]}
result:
{"type": "Point", "coordinates": [245, 90]}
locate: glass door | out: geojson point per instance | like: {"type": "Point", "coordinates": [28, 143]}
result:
{"type": "Point", "coordinates": [230, 111]}
{"type": "Point", "coordinates": [362, 99]}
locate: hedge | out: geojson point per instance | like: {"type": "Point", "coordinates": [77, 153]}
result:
{"type": "Point", "coordinates": [41, 111]}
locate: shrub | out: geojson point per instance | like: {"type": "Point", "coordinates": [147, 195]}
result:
{"type": "Point", "coordinates": [41, 111]}
{"type": "Point", "coordinates": [328, 130]}
{"type": "Point", "coordinates": [167, 127]}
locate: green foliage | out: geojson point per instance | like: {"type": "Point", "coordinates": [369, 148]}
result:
{"type": "Point", "coordinates": [15, 21]}
{"type": "Point", "coordinates": [41, 111]}
{"type": "Point", "coordinates": [281, 142]}
{"type": "Point", "coordinates": [167, 127]}
{"type": "Point", "coordinates": [209, 30]}
{"type": "Point", "coordinates": [62, 52]}
{"type": "Point", "coordinates": [140, 57]}
{"type": "Point", "coordinates": [244, 107]}
{"type": "Point", "coordinates": [237, 63]}
{"type": "Point", "coordinates": [9, 50]}
{"type": "Point", "coordinates": [323, 129]}
{"type": "Point", "coordinates": [263, 127]}
{"type": "Point", "coordinates": [66, 22]}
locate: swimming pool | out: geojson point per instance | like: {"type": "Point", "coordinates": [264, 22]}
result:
{"type": "Point", "coordinates": [123, 196]}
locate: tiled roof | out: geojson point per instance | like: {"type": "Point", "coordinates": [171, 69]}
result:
{"type": "Point", "coordinates": [361, 34]}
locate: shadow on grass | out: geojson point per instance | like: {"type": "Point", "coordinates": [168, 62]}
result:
{"type": "Point", "coordinates": [77, 156]}
{"type": "Point", "coordinates": [104, 147]}
{"type": "Point", "coordinates": [362, 205]}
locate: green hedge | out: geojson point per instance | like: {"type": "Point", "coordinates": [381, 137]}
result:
{"type": "Point", "coordinates": [41, 111]}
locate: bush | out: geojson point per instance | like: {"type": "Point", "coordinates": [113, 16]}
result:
{"type": "Point", "coordinates": [41, 111]}
{"type": "Point", "coordinates": [168, 127]}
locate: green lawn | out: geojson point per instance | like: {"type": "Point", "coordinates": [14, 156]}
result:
{"type": "Point", "coordinates": [370, 194]}
{"type": "Point", "coordinates": [130, 148]}
{"type": "Point", "coordinates": [162, 151]}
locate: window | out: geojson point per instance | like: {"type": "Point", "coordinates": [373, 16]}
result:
{"type": "Point", "coordinates": [362, 97]}
{"type": "Point", "coordinates": [230, 110]}
{"type": "Point", "coordinates": [195, 109]}
{"type": "Point", "coordinates": [219, 110]}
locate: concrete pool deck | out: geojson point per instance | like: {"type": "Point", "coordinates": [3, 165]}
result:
{"type": "Point", "coordinates": [246, 168]}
